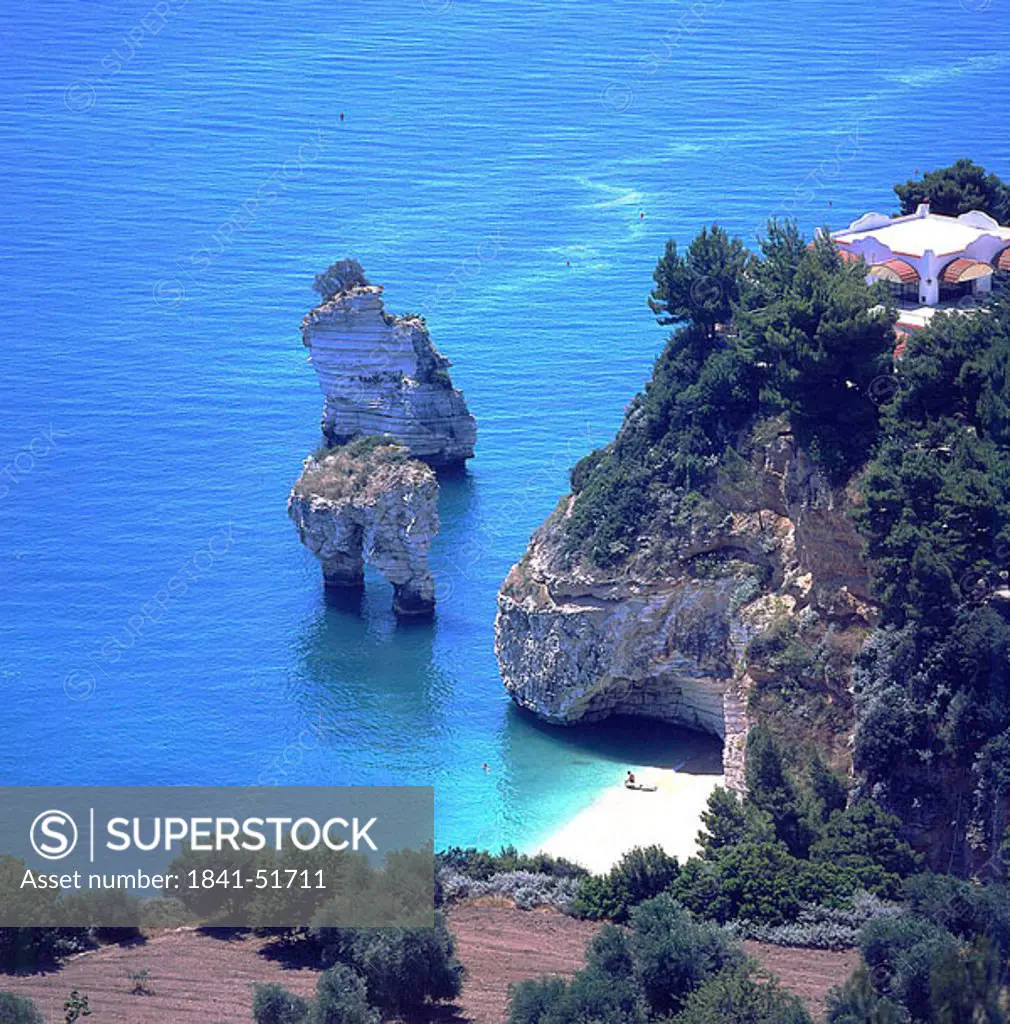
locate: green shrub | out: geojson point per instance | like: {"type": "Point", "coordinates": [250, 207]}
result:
{"type": "Point", "coordinates": [29, 949]}
{"type": "Point", "coordinates": [724, 824]}
{"type": "Point", "coordinates": [638, 876]}
{"type": "Point", "coordinates": [649, 972]}
{"type": "Point", "coordinates": [921, 973]}
{"type": "Point", "coordinates": [534, 1000]}
{"type": "Point", "coordinates": [900, 953]}
{"type": "Point", "coordinates": [864, 843]}
{"type": "Point", "coordinates": [771, 789]}
{"type": "Point", "coordinates": [828, 789]}
{"type": "Point", "coordinates": [403, 968]}
{"type": "Point", "coordinates": [968, 985]}
{"type": "Point", "coordinates": [482, 864]}
{"type": "Point", "coordinates": [734, 997]}
{"type": "Point", "coordinates": [596, 900]}
{"type": "Point", "coordinates": [674, 953]}
{"type": "Point", "coordinates": [596, 996]}
{"type": "Point", "coordinates": [966, 909]}
{"type": "Point", "coordinates": [605, 990]}
{"type": "Point", "coordinates": [75, 1006]}
{"type": "Point", "coordinates": [273, 1004]}
{"type": "Point", "coordinates": [756, 881]}
{"type": "Point", "coordinates": [18, 1010]}
{"type": "Point", "coordinates": [857, 1002]}
{"type": "Point", "coordinates": [163, 912]}
{"type": "Point", "coordinates": [341, 999]}
{"type": "Point", "coordinates": [118, 911]}
{"type": "Point", "coordinates": [644, 872]}
{"type": "Point", "coordinates": [609, 952]}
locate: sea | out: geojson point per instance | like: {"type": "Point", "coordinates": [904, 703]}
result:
{"type": "Point", "coordinates": [173, 176]}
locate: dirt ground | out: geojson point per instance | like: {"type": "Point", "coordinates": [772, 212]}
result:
{"type": "Point", "coordinates": [199, 979]}
{"type": "Point", "coordinates": [807, 973]}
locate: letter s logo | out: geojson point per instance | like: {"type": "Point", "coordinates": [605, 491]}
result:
{"type": "Point", "coordinates": [58, 827]}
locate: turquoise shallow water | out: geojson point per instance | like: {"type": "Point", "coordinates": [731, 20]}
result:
{"type": "Point", "coordinates": [174, 175]}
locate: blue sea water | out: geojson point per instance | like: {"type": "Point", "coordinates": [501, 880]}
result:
{"type": "Point", "coordinates": [175, 173]}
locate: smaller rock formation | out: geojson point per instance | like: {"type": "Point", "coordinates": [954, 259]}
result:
{"type": "Point", "coordinates": [368, 501]}
{"type": "Point", "coordinates": [381, 374]}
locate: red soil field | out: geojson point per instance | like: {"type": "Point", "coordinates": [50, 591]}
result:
{"type": "Point", "coordinates": [198, 979]}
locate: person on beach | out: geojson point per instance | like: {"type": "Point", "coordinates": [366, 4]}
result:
{"type": "Point", "coordinates": [630, 780]}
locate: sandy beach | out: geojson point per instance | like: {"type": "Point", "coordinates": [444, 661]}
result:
{"type": "Point", "coordinates": [620, 818]}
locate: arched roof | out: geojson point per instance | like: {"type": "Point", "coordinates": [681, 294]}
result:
{"type": "Point", "coordinates": [964, 269]}
{"type": "Point", "coordinates": [897, 271]}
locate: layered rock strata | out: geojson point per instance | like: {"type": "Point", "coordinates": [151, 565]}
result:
{"type": "Point", "coordinates": [368, 502]}
{"type": "Point", "coordinates": [381, 374]}
{"type": "Point", "coordinates": [772, 543]}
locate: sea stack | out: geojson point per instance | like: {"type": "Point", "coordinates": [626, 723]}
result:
{"type": "Point", "coordinates": [368, 501]}
{"type": "Point", "coordinates": [381, 374]}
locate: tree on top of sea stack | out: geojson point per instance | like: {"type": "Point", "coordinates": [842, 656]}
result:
{"type": "Point", "coordinates": [339, 277]}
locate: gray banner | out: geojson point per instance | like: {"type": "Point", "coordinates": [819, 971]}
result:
{"type": "Point", "coordinates": [228, 856]}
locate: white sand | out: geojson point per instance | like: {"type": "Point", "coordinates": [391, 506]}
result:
{"type": "Point", "coordinates": [621, 819]}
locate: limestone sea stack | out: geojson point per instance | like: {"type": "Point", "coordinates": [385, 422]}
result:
{"type": "Point", "coordinates": [686, 627]}
{"type": "Point", "coordinates": [381, 374]}
{"type": "Point", "coordinates": [367, 501]}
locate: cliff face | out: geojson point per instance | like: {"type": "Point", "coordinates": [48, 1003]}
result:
{"type": "Point", "coordinates": [769, 553]}
{"type": "Point", "coordinates": [381, 374]}
{"type": "Point", "coordinates": [369, 502]}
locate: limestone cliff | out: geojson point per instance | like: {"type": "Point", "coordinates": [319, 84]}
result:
{"type": "Point", "coordinates": [704, 624]}
{"type": "Point", "coordinates": [367, 501]}
{"type": "Point", "coordinates": [381, 374]}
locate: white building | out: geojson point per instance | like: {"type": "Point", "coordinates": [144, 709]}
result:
{"type": "Point", "coordinates": [928, 259]}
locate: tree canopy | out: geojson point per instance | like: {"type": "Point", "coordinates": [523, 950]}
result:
{"type": "Point", "coordinates": [798, 333]}
{"type": "Point", "coordinates": [953, 190]}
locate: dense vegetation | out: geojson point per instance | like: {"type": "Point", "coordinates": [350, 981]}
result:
{"type": "Point", "coordinates": [481, 865]}
{"type": "Point", "coordinates": [933, 730]}
{"type": "Point", "coordinates": [18, 1010]}
{"type": "Point", "coordinates": [338, 277]}
{"type": "Point", "coordinates": [808, 339]}
{"type": "Point", "coordinates": [957, 189]}
{"type": "Point", "coordinates": [791, 864]}
{"type": "Point", "coordinates": [791, 847]}
{"type": "Point", "coordinates": [793, 338]}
